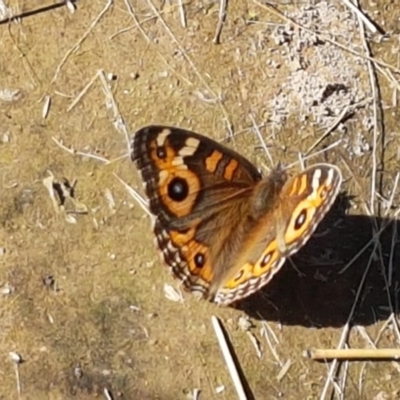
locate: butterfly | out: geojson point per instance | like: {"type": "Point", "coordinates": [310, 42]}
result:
{"type": "Point", "coordinates": [222, 228]}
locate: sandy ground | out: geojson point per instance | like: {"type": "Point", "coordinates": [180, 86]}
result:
{"type": "Point", "coordinates": [82, 298]}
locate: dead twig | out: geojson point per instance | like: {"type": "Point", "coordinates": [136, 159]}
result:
{"type": "Point", "coordinates": [352, 354]}
{"type": "Point", "coordinates": [182, 13]}
{"type": "Point", "coordinates": [80, 153]}
{"type": "Point", "coordinates": [223, 5]}
{"type": "Point", "coordinates": [261, 139]}
{"type": "Point", "coordinates": [228, 358]}
{"type": "Point", "coordinates": [143, 203]}
{"type": "Point", "coordinates": [83, 92]}
{"type": "Point", "coordinates": [361, 16]}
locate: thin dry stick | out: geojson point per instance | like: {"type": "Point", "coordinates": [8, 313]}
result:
{"type": "Point", "coordinates": [344, 379]}
{"type": "Point", "coordinates": [18, 380]}
{"type": "Point", "coordinates": [353, 354]}
{"type": "Point", "coordinates": [266, 328]}
{"type": "Point", "coordinates": [25, 60]}
{"type": "Point", "coordinates": [394, 190]}
{"type": "Point", "coordinates": [363, 332]}
{"type": "Point", "coordinates": [263, 144]}
{"type": "Point", "coordinates": [16, 358]}
{"type": "Point", "coordinates": [391, 256]}
{"type": "Point", "coordinates": [48, 183]}
{"type": "Point", "coordinates": [389, 76]}
{"type": "Point", "coordinates": [255, 343]}
{"type": "Point", "coordinates": [388, 279]}
{"type": "Point", "coordinates": [284, 370]}
{"type": "Point", "coordinates": [301, 160]}
{"type": "Point", "coordinates": [119, 122]}
{"type": "Point", "coordinates": [326, 38]}
{"type": "Point", "coordinates": [377, 114]}
{"type": "Point", "coordinates": [82, 39]}
{"type": "Point", "coordinates": [221, 19]}
{"type": "Point", "coordinates": [80, 153]}
{"type": "Point", "coordinates": [389, 298]}
{"type": "Point", "coordinates": [124, 30]}
{"type": "Point", "coordinates": [71, 5]}
{"type": "Point", "coordinates": [136, 26]}
{"type": "Point", "coordinates": [108, 394]}
{"type": "Point", "coordinates": [8, 17]}
{"type": "Point", "coordinates": [395, 323]}
{"type": "Point", "coordinates": [83, 92]}
{"type": "Point", "coordinates": [46, 107]}
{"type": "Point", "coordinates": [316, 153]}
{"type": "Point", "coordinates": [228, 358]}
{"type": "Point", "coordinates": [182, 13]}
{"type": "Point", "coordinates": [361, 16]}
{"type": "Point", "coordinates": [139, 199]}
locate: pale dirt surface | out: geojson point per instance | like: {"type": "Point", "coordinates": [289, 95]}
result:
{"type": "Point", "coordinates": [77, 331]}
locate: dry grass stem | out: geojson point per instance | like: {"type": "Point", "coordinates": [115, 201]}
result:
{"type": "Point", "coordinates": [83, 92]}
{"type": "Point", "coordinates": [353, 354]}
{"type": "Point", "coordinates": [284, 370]}
{"type": "Point", "coordinates": [182, 13]}
{"type": "Point", "coordinates": [261, 139]}
{"type": "Point", "coordinates": [228, 358]}
{"type": "Point", "coordinates": [119, 122]}
{"type": "Point", "coordinates": [80, 153]}
{"type": "Point", "coordinates": [143, 203]}
{"type": "Point", "coordinates": [269, 342]}
{"type": "Point", "coordinates": [316, 154]}
{"type": "Point", "coordinates": [361, 16]}
{"type": "Point", "coordinates": [255, 343]}
{"type": "Point", "coordinates": [46, 107]}
{"type": "Point", "coordinates": [221, 19]}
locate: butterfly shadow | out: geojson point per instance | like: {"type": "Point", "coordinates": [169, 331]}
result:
{"type": "Point", "coordinates": [317, 290]}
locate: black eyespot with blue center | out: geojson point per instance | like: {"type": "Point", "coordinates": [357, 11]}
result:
{"type": "Point", "coordinates": [301, 219]}
{"type": "Point", "coordinates": [178, 189]}
{"type": "Point", "coordinates": [199, 260]}
{"type": "Point", "coordinates": [161, 153]}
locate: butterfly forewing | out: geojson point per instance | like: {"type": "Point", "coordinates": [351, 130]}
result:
{"type": "Point", "coordinates": [193, 184]}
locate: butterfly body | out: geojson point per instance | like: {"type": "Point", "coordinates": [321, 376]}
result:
{"type": "Point", "coordinates": [222, 228]}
